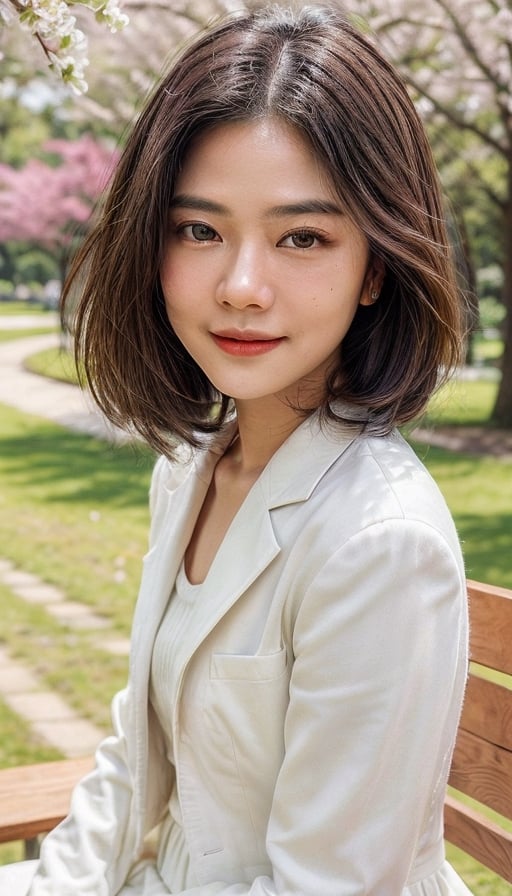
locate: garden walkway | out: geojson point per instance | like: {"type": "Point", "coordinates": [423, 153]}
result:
{"type": "Point", "coordinates": [49, 716]}
{"type": "Point", "coordinates": [53, 720]}
{"type": "Point", "coordinates": [60, 402]}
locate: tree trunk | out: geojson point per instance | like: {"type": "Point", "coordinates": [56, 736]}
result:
{"type": "Point", "coordinates": [502, 411]}
{"type": "Point", "coordinates": [467, 280]}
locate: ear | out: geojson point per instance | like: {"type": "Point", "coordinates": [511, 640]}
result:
{"type": "Point", "coordinates": [373, 281]}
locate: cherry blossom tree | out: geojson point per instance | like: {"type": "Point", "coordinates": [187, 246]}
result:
{"type": "Point", "coordinates": [49, 205]}
{"type": "Point", "coordinates": [457, 59]}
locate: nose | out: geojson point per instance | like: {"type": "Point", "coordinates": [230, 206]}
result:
{"type": "Point", "coordinates": [245, 280]}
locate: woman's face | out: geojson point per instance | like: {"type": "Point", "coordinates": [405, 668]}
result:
{"type": "Point", "coordinates": [263, 271]}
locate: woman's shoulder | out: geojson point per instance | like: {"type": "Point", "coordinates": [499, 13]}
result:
{"type": "Point", "coordinates": [169, 471]}
{"type": "Point", "coordinates": [382, 478]}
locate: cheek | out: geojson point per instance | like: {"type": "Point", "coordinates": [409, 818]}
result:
{"type": "Point", "coordinates": [170, 282]}
{"type": "Point", "coordinates": [167, 274]}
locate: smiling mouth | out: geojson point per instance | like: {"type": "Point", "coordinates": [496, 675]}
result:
{"type": "Point", "coordinates": [245, 346]}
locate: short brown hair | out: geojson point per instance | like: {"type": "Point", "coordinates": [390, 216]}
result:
{"type": "Point", "coordinates": [312, 69]}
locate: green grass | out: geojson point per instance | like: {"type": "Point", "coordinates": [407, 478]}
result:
{"type": "Point", "coordinates": [55, 363]}
{"type": "Point", "coordinates": [478, 491]}
{"type": "Point", "coordinates": [481, 881]}
{"type": "Point", "coordinates": [17, 744]}
{"type": "Point", "coordinates": [10, 335]}
{"type": "Point", "coordinates": [68, 661]}
{"type": "Point", "coordinates": [487, 351]}
{"type": "Point", "coordinates": [462, 403]}
{"type": "Point", "coordinates": [73, 510]}
{"type": "Point", "coordinates": [10, 309]}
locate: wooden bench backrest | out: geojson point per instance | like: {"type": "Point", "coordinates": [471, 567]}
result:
{"type": "Point", "coordinates": [482, 762]}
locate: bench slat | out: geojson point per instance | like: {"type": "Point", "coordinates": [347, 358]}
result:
{"type": "Point", "coordinates": [487, 711]}
{"type": "Point", "coordinates": [34, 798]}
{"type": "Point", "coordinates": [490, 610]}
{"type": "Point", "coordinates": [483, 771]}
{"type": "Point", "coordinates": [479, 837]}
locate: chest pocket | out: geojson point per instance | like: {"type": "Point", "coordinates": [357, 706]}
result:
{"type": "Point", "coordinates": [234, 667]}
{"type": "Point", "coordinates": [244, 706]}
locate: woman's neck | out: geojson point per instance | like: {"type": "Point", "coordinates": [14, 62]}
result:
{"type": "Point", "coordinates": [263, 426]}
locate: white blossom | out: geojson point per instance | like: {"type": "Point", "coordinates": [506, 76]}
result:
{"type": "Point", "coordinates": [54, 26]}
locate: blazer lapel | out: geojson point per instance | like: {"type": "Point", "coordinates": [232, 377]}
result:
{"type": "Point", "coordinates": [250, 545]}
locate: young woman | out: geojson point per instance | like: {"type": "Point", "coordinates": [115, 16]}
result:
{"type": "Point", "coordinates": [268, 295]}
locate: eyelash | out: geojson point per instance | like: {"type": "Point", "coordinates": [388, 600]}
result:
{"type": "Point", "coordinates": [305, 231]}
{"type": "Point", "coordinates": [301, 232]}
{"type": "Point", "coordinates": [180, 230]}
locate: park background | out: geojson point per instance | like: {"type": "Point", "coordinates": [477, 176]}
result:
{"type": "Point", "coordinates": [73, 507]}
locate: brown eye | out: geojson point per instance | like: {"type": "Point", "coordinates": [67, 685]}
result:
{"type": "Point", "coordinates": [303, 239]}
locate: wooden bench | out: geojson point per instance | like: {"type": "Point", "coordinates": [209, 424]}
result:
{"type": "Point", "coordinates": [33, 799]}
{"type": "Point", "coordinates": [482, 762]}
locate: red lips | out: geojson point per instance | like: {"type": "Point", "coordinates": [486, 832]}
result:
{"type": "Point", "coordinates": [245, 343]}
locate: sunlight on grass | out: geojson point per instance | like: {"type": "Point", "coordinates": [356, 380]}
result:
{"type": "Point", "coordinates": [74, 510]}
{"type": "Point", "coordinates": [481, 881]}
{"type": "Point", "coordinates": [462, 402]}
{"type": "Point", "coordinates": [13, 309]}
{"type": "Point", "coordinates": [478, 491]}
{"type": "Point", "coordinates": [486, 350]}
{"type": "Point", "coordinates": [11, 335]}
{"type": "Point", "coordinates": [56, 363]}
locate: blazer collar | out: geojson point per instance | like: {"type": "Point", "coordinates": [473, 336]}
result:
{"type": "Point", "coordinates": [293, 472]}
{"type": "Point", "coordinates": [300, 463]}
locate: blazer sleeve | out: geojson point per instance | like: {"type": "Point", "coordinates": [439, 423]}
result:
{"type": "Point", "coordinates": [92, 850]}
{"type": "Point", "coordinates": [377, 682]}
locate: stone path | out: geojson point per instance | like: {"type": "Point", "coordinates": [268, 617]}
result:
{"type": "Point", "coordinates": [61, 403]}
{"type": "Point", "coordinates": [48, 714]}
{"type": "Point", "coordinates": [468, 440]}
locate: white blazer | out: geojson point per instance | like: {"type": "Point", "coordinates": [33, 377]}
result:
{"type": "Point", "coordinates": [318, 703]}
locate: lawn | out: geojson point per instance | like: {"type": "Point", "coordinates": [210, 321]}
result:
{"type": "Point", "coordinates": [11, 309]}
{"type": "Point", "coordinates": [462, 403]}
{"type": "Point", "coordinates": [73, 510]}
{"type": "Point", "coordinates": [10, 335]}
{"type": "Point", "coordinates": [54, 363]}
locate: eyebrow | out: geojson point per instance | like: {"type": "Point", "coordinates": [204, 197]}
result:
{"type": "Point", "coordinates": [306, 206]}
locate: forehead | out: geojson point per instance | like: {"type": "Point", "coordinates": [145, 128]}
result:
{"type": "Point", "coordinates": [265, 154]}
